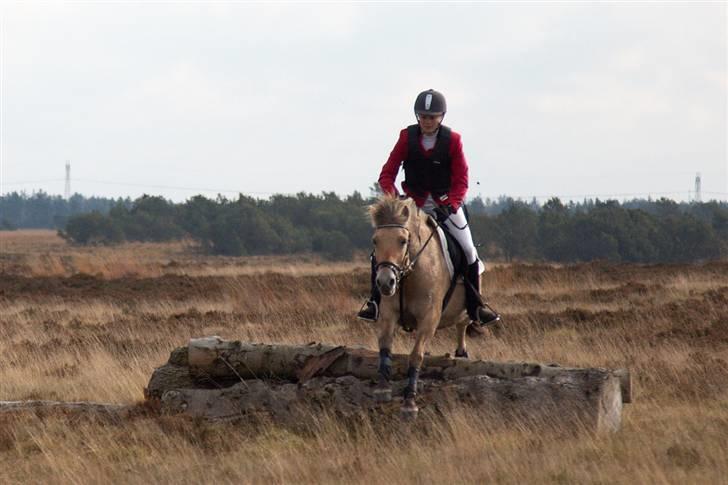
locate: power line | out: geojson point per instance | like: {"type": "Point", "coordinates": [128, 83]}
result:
{"type": "Point", "coordinates": [173, 187]}
{"type": "Point", "coordinates": [592, 196]}
{"type": "Point", "coordinates": [238, 191]}
{"type": "Point", "coordinates": [28, 182]}
{"type": "Point", "coordinates": [129, 184]}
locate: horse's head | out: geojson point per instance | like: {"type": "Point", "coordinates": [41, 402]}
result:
{"type": "Point", "coordinates": [390, 218]}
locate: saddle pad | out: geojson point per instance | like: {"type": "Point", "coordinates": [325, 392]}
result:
{"type": "Point", "coordinates": [445, 251]}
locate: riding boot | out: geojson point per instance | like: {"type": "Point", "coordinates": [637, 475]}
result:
{"type": "Point", "coordinates": [478, 311]}
{"type": "Point", "coordinates": [370, 309]}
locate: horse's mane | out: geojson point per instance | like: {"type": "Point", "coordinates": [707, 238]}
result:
{"type": "Point", "coordinates": [390, 209]}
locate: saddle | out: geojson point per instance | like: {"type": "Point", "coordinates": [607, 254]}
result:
{"type": "Point", "coordinates": [454, 258]}
{"type": "Point", "coordinates": [457, 265]}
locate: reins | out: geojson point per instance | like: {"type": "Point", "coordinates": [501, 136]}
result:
{"type": "Point", "coordinates": [411, 265]}
{"type": "Point", "coordinates": [408, 263]}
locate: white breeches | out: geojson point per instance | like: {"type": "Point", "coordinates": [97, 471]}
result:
{"type": "Point", "coordinates": [458, 226]}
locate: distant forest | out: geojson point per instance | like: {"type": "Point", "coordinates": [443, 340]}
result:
{"type": "Point", "coordinates": [40, 210]}
{"type": "Point", "coordinates": [640, 230]}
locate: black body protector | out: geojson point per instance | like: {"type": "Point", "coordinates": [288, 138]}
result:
{"type": "Point", "coordinates": [428, 173]}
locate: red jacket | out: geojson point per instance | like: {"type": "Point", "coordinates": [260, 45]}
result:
{"type": "Point", "coordinates": [458, 171]}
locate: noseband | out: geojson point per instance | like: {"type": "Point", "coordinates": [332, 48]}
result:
{"type": "Point", "coordinates": [408, 263]}
{"type": "Point", "coordinates": [399, 271]}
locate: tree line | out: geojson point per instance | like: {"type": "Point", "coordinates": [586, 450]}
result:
{"type": "Point", "coordinates": [638, 231]}
{"type": "Point", "coordinates": [40, 210]}
{"type": "Point", "coordinates": [641, 230]}
{"type": "Point", "coordinates": [326, 224]}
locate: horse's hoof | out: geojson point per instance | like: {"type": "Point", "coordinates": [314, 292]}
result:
{"type": "Point", "coordinates": [461, 355]}
{"type": "Point", "coordinates": [382, 394]}
{"type": "Point", "coordinates": [409, 409]}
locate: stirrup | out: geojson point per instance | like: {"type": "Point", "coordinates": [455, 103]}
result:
{"type": "Point", "coordinates": [365, 314]}
{"type": "Point", "coordinates": [491, 316]}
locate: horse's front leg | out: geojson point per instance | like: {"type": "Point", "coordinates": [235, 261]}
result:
{"type": "Point", "coordinates": [383, 391]}
{"type": "Point", "coordinates": [462, 326]}
{"type": "Point", "coordinates": [425, 331]}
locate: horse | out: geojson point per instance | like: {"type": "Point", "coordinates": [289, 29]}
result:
{"type": "Point", "coordinates": [413, 279]}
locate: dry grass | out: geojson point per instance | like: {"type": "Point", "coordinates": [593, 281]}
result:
{"type": "Point", "coordinates": [43, 253]}
{"type": "Point", "coordinates": [98, 338]}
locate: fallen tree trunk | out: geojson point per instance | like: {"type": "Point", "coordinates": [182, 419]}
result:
{"type": "Point", "coordinates": [80, 406]}
{"type": "Point", "coordinates": [590, 400]}
{"type": "Point", "coordinates": [216, 379]}
{"type": "Point", "coordinates": [215, 362]}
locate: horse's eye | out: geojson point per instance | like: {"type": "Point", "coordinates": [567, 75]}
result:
{"type": "Point", "coordinates": [402, 242]}
{"type": "Point", "coordinates": [374, 241]}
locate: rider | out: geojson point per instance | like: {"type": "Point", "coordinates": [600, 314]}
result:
{"type": "Point", "coordinates": [436, 177]}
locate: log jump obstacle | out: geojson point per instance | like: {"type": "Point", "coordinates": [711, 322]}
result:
{"type": "Point", "coordinates": [219, 379]}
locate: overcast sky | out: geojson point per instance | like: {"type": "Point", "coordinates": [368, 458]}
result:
{"type": "Point", "coordinates": [185, 98]}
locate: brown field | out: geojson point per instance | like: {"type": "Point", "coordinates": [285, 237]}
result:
{"type": "Point", "coordinates": [92, 323]}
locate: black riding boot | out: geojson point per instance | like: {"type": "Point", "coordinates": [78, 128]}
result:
{"type": "Point", "coordinates": [370, 309]}
{"type": "Point", "coordinates": [478, 311]}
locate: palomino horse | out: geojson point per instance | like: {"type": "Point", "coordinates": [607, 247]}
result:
{"type": "Point", "coordinates": [410, 260]}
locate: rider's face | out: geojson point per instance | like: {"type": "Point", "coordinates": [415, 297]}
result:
{"type": "Point", "coordinates": [429, 123]}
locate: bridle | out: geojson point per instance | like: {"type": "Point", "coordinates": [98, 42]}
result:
{"type": "Point", "coordinates": [408, 264]}
{"type": "Point", "coordinates": [405, 267]}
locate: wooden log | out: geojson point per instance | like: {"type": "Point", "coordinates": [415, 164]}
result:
{"type": "Point", "coordinates": [587, 400]}
{"type": "Point", "coordinates": [218, 379]}
{"type": "Point", "coordinates": [171, 376]}
{"type": "Point", "coordinates": [212, 362]}
{"type": "Point", "coordinates": [66, 406]}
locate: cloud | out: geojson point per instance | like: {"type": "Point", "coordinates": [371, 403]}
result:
{"type": "Point", "coordinates": [311, 97]}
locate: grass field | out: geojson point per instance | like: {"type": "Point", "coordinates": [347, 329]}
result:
{"type": "Point", "coordinates": [92, 323]}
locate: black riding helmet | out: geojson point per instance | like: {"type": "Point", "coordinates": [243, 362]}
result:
{"type": "Point", "coordinates": [430, 102]}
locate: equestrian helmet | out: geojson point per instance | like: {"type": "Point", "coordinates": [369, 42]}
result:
{"type": "Point", "coordinates": [430, 102]}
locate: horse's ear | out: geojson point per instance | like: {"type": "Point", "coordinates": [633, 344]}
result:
{"type": "Point", "coordinates": [406, 213]}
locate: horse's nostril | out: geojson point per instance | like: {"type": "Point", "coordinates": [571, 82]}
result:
{"type": "Point", "coordinates": [391, 281]}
